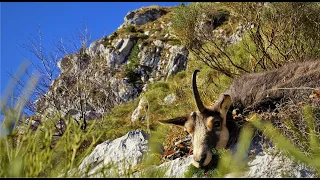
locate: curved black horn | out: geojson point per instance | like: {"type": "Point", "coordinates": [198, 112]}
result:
{"type": "Point", "coordinates": [196, 92]}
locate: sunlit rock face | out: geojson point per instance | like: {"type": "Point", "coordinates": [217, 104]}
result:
{"type": "Point", "coordinates": [99, 77]}
{"type": "Point", "coordinates": [139, 18]}
{"type": "Point", "coordinates": [124, 153]}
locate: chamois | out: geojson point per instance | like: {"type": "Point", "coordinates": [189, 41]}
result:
{"type": "Point", "coordinates": [208, 126]}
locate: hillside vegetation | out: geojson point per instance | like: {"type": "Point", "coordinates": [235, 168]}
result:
{"type": "Point", "coordinates": [224, 41]}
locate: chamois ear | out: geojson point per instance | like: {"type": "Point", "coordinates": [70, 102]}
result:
{"type": "Point", "coordinates": [180, 121]}
{"type": "Point", "coordinates": [225, 103]}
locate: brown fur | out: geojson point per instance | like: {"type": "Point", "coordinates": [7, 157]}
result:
{"type": "Point", "coordinates": [252, 90]}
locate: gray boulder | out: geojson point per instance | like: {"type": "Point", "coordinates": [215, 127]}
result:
{"type": "Point", "coordinates": [65, 64]}
{"type": "Point", "coordinates": [123, 90]}
{"type": "Point", "coordinates": [124, 152]}
{"type": "Point", "coordinates": [169, 99]}
{"type": "Point", "coordinates": [90, 115]}
{"type": "Point", "coordinates": [140, 112]}
{"type": "Point", "coordinates": [147, 33]}
{"type": "Point", "coordinates": [73, 62]}
{"type": "Point", "coordinates": [118, 56]}
{"type": "Point", "coordinates": [119, 44]}
{"type": "Point", "coordinates": [138, 18]}
{"type": "Point", "coordinates": [177, 167]}
{"type": "Point", "coordinates": [148, 57]}
{"type": "Point", "coordinates": [93, 49]}
{"type": "Point", "coordinates": [171, 169]}
{"type": "Point", "coordinates": [158, 43]}
{"type": "Point", "coordinates": [97, 49]}
{"type": "Point", "coordinates": [126, 47]}
{"type": "Point", "coordinates": [272, 164]}
{"type": "Point", "coordinates": [128, 93]}
{"type": "Point", "coordinates": [177, 60]}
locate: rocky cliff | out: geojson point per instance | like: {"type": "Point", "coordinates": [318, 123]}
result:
{"type": "Point", "coordinates": [116, 68]}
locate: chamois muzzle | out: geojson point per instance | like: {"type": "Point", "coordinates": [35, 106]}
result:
{"type": "Point", "coordinates": [196, 92]}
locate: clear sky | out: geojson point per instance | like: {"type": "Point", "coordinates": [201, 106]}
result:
{"type": "Point", "coordinates": [56, 20]}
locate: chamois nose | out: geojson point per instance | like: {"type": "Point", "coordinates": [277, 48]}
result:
{"type": "Point", "coordinates": [203, 158]}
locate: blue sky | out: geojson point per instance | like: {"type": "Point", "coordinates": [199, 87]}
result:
{"type": "Point", "coordinates": [56, 20]}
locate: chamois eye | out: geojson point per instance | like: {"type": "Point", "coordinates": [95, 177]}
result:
{"type": "Point", "coordinates": [216, 124]}
{"type": "Point", "coordinates": [193, 115]}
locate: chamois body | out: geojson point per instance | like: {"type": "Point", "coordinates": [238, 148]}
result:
{"type": "Point", "coordinates": [292, 80]}
{"type": "Point", "coordinates": [208, 126]}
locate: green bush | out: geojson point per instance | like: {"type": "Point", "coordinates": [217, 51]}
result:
{"type": "Point", "coordinates": [131, 28]}
{"type": "Point", "coordinates": [278, 33]}
{"type": "Point", "coordinates": [281, 32]}
{"type": "Point", "coordinates": [106, 41]}
{"type": "Point", "coordinates": [184, 22]}
{"type": "Point", "coordinates": [113, 36]}
{"type": "Point", "coordinates": [132, 65]}
{"type": "Point", "coordinates": [181, 75]}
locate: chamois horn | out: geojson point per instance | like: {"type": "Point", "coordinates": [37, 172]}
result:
{"type": "Point", "coordinates": [196, 92]}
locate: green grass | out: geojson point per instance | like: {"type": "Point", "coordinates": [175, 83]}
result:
{"type": "Point", "coordinates": [131, 28]}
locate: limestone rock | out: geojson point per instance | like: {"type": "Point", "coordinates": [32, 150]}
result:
{"type": "Point", "coordinates": [95, 49]}
{"type": "Point", "coordinates": [149, 57]}
{"type": "Point", "coordinates": [140, 111]}
{"type": "Point", "coordinates": [138, 18]}
{"type": "Point", "coordinates": [268, 165]}
{"type": "Point", "coordinates": [64, 64]}
{"type": "Point", "coordinates": [177, 167]}
{"type": "Point", "coordinates": [123, 152]}
{"type": "Point", "coordinates": [118, 56]}
{"type": "Point", "coordinates": [177, 60]}
{"type": "Point", "coordinates": [169, 99]}
{"type": "Point", "coordinates": [158, 43]}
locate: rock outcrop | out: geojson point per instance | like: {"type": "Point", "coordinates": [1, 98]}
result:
{"type": "Point", "coordinates": [177, 60]}
{"type": "Point", "coordinates": [149, 14]}
{"type": "Point", "coordinates": [120, 154]}
{"type": "Point", "coordinates": [140, 112]}
{"type": "Point", "coordinates": [121, 52]}
{"type": "Point", "coordinates": [175, 168]}
{"type": "Point", "coordinates": [272, 164]}
{"type": "Point", "coordinates": [169, 99]}
{"type": "Point", "coordinates": [115, 69]}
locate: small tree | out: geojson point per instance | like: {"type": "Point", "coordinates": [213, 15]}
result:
{"type": "Point", "coordinates": [45, 62]}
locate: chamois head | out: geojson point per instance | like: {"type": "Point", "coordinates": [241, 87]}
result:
{"type": "Point", "coordinates": [207, 126]}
